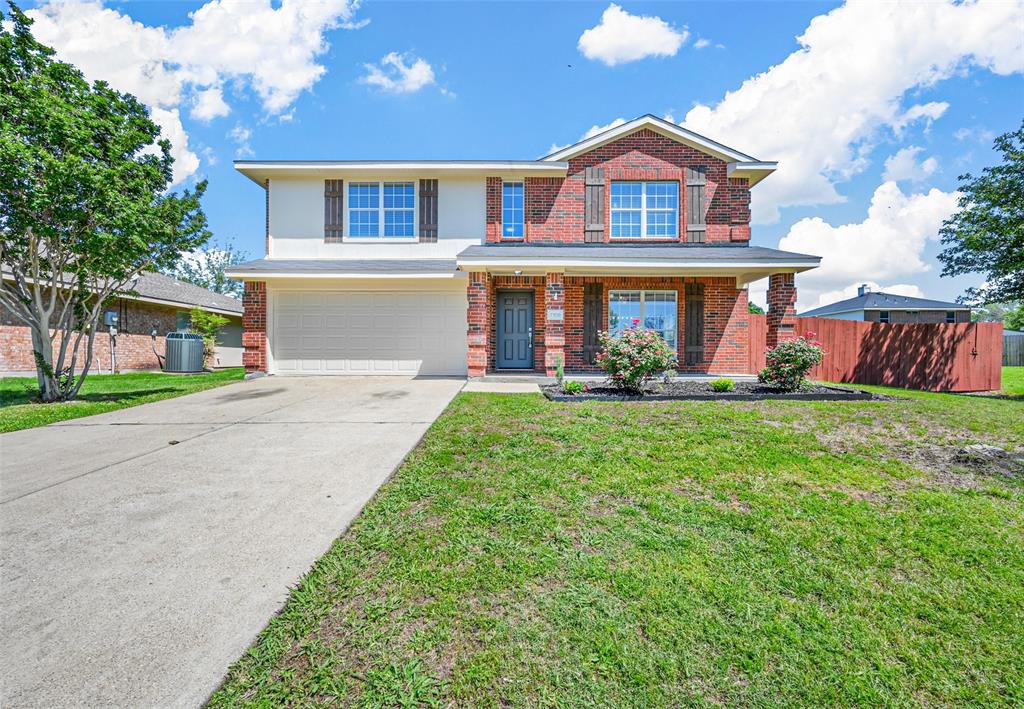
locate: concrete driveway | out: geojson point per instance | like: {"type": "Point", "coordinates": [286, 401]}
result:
{"type": "Point", "coordinates": [143, 550]}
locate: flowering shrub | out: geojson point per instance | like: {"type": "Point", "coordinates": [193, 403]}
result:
{"type": "Point", "coordinates": [634, 357]}
{"type": "Point", "coordinates": [790, 361]}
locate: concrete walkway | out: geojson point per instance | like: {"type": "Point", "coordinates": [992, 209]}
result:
{"type": "Point", "coordinates": [141, 551]}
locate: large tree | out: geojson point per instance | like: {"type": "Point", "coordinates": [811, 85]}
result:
{"type": "Point", "coordinates": [205, 268]}
{"type": "Point", "coordinates": [986, 234]}
{"type": "Point", "coordinates": [84, 206]}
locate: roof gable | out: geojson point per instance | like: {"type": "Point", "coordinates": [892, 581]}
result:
{"type": "Point", "coordinates": [660, 126]}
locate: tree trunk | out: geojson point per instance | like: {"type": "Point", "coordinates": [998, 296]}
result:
{"type": "Point", "coordinates": [42, 349]}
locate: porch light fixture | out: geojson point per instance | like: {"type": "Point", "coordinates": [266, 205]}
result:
{"type": "Point", "coordinates": [518, 273]}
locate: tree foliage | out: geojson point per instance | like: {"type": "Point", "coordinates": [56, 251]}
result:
{"type": "Point", "coordinates": [754, 309]}
{"type": "Point", "coordinates": [986, 234]}
{"type": "Point", "coordinates": [207, 325]}
{"type": "Point", "coordinates": [84, 206]}
{"type": "Point", "coordinates": [205, 268]}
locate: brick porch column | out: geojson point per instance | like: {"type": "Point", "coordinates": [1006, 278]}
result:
{"type": "Point", "coordinates": [254, 326]}
{"type": "Point", "coordinates": [781, 318]}
{"type": "Point", "coordinates": [554, 327]}
{"type": "Point", "coordinates": [479, 332]}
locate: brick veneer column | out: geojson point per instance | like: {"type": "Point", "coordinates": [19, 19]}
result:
{"type": "Point", "coordinates": [781, 319]}
{"type": "Point", "coordinates": [254, 326]}
{"type": "Point", "coordinates": [554, 330]}
{"type": "Point", "coordinates": [478, 317]}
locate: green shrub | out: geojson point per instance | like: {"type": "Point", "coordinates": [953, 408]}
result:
{"type": "Point", "coordinates": [790, 361]}
{"type": "Point", "coordinates": [634, 357]}
{"type": "Point", "coordinates": [207, 325]}
{"type": "Point", "coordinates": [723, 384]}
{"type": "Point", "coordinates": [573, 387]}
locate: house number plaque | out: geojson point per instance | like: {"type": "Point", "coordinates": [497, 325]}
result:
{"type": "Point", "coordinates": [556, 314]}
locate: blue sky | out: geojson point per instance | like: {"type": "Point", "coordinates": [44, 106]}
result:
{"type": "Point", "coordinates": [509, 80]}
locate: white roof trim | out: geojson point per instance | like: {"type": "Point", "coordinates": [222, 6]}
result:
{"type": "Point", "coordinates": [670, 130]}
{"type": "Point", "coordinates": [290, 275]}
{"type": "Point", "coordinates": [752, 171]}
{"type": "Point", "coordinates": [259, 170]}
{"type": "Point", "coordinates": [660, 264]}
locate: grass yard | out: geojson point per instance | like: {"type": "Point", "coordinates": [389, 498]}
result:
{"type": "Point", "coordinates": [589, 555]}
{"type": "Point", "coordinates": [99, 394]}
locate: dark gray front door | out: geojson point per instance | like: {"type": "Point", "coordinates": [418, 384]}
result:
{"type": "Point", "coordinates": [515, 330]}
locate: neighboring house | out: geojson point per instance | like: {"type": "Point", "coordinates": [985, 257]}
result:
{"type": "Point", "coordinates": [890, 308]}
{"type": "Point", "coordinates": [161, 306]}
{"type": "Point", "coordinates": [465, 267]}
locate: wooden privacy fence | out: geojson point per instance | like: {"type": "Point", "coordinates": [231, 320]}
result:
{"type": "Point", "coordinates": [1013, 350]}
{"type": "Point", "coordinates": [932, 357]}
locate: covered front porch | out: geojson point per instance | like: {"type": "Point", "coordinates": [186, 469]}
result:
{"type": "Point", "coordinates": [533, 307]}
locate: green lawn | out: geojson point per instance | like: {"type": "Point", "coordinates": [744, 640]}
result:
{"type": "Point", "coordinates": [100, 393]}
{"type": "Point", "coordinates": [530, 553]}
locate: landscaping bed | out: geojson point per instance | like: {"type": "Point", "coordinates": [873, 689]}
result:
{"type": "Point", "coordinates": [690, 390]}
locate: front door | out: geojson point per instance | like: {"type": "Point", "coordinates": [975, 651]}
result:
{"type": "Point", "coordinates": [515, 330]}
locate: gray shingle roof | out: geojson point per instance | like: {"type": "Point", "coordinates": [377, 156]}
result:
{"type": "Point", "coordinates": [883, 301]}
{"type": "Point", "coordinates": [638, 252]}
{"type": "Point", "coordinates": [327, 266]}
{"type": "Point", "coordinates": [160, 287]}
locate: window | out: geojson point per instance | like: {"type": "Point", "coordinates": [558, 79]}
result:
{"type": "Point", "coordinates": [653, 310]}
{"type": "Point", "coordinates": [883, 316]}
{"type": "Point", "coordinates": [512, 210]}
{"type": "Point", "coordinates": [182, 321]}
{"type": "Point", "coordinates": [367, 211]}
{"type": "Point", "coordinates": [950, 316]}
{"type": "Point", "coordinates": [644, 210]}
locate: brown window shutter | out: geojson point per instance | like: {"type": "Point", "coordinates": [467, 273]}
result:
{"type": "Point", "coordinates": [428, 210]}
{"type": "Point", "coordinates": [694, 330]}
{"type": "Point", "coordinates": [593, 310]}
{"type": "Point", "coordinates": [593, 201]}
{"type": "Point", "coordinates": [696, 207]}
{"type": "Point", "coordinates": [333, 211]}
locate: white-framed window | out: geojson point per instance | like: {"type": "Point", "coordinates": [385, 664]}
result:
{"type": "Point", "coordinates": [883, 316]}
{"type": "Point", "coordinates": [512, 210]}
{"type": "Point", "coordinates": [381, 210]}
{"type": "Point", "coordinates": [650, 309]}
{"type": "Point", "coordinates": [644, 210]}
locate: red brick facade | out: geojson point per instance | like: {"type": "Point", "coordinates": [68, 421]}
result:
{"type": "Point", "coordinates": [726, 338]}
{"type": "Point", "coordinates": [135, 343]}
{"type": "Point", "coordinates": [781, 314]}
{"type": "Point", "coordinates": [254, 327]}
{"type": "Point", "coordinates": [554, 206]}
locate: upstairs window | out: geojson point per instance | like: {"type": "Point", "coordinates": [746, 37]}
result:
{"type": "Point", "coordinates": [381, 209]}
{"type": "Point", "coordinates": [512, 210]}
{"type": "Point", "coordinates": [642, 210]}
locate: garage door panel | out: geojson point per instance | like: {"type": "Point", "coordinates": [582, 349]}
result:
{"type": "Point", "coordinates": [353, 333]}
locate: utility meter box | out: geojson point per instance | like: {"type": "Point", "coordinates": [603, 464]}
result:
{"type": "Point", "coordinates": [111, 318]}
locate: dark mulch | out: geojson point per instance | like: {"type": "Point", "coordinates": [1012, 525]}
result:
{"type": "Point", "coordinates": [690, 390]}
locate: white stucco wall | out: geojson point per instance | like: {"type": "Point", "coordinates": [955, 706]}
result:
{"type": "Point", "coordinates": [297, 223]}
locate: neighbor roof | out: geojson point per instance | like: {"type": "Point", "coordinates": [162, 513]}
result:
{"type": "Point", "coordinates": [158, 287]}
{"type": "Point", "coordinates": [882, 301]}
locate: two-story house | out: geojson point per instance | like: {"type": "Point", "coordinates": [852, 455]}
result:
{"type": "Point", "coordinates": [466, 267]}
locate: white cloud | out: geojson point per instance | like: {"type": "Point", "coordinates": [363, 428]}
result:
{"type": "Point", "coordinates": [271, 50]}
{"type": "Point", "coordinates": [701, 43]}
{"type": "Point", "coordinates": [930, 112]}
{"type": "Point", "coordinates": [850, 291]}
{"type": "Point", "coordinates": [903, 165]}
{"type": "Point", "coordinates": [888, 244]}
{"type": "Point", "coordinates": [982, 135]}
{"type": "Point", "coordinates": [241, 136]}
{"type": "Point", "coordinates": [818, 110]}
{"type": "Point", "coordinates": [589, 133]}
{"type": "Point", "coordinates": [209, 104]}
{"type": "Point", "coordinates": [399, 73]}
{"type": "Point", "coordinates": [621, 37]}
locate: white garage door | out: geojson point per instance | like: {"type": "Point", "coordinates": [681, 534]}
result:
{"type": "Point", "coordinates": [369, 333]}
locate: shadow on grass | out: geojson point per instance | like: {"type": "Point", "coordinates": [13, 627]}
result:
{"type": "Point", "coordinates": [31, 396]}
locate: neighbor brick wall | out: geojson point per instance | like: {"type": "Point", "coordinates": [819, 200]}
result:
{"type": "Point", "coordinates": [554, 206]}
{"type": "Point", "coordinates": [134, 342]}
{"type": "Point", "coordinates": [254, 327]}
